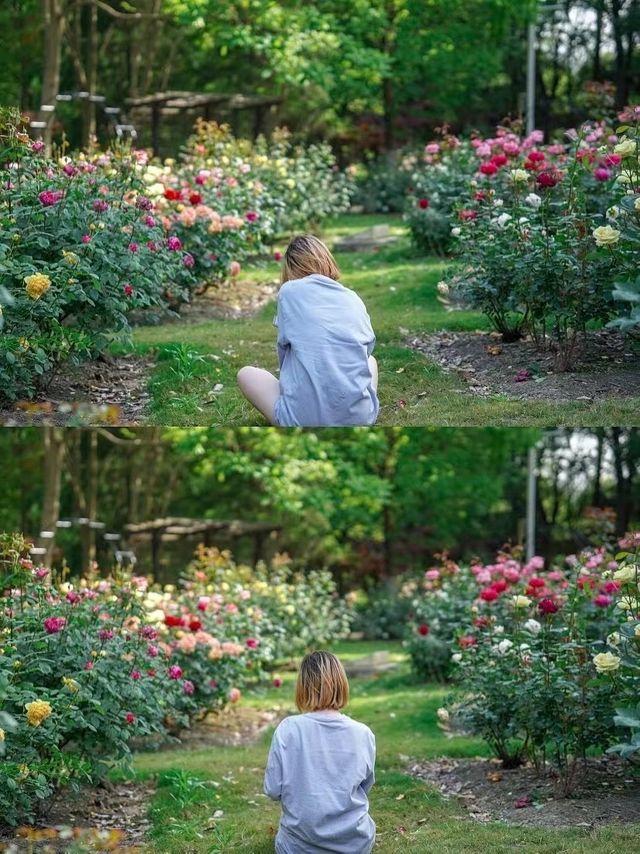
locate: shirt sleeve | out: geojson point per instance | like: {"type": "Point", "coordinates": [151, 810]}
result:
{"type": "Point", "coordinates": [273, 772]}
{"type": "Point", "coordinates": [280, 323]}
{"type": "Point", "coordinates": [370, 779]}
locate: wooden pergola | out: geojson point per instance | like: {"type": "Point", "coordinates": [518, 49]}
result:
{"type": "Point", "coordinates": [172, 528]}
{"type": "Point", "coordinates": [173, 102]}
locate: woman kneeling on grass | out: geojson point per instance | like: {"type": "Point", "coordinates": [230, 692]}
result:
{"type": "Point", "coordinates": [320, 767]}
{"type": "Point", "coordinates": [328, 377]}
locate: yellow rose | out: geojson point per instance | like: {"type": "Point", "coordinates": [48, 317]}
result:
{"type": "Point", "coordinates": [637, 204]}
{"type": "Point", "coordinates": [625, 573]}
{"type": "Point", "coordinates": [1, 735]}
{"type": "Point", "coordinates": [606, 662]}
{"type": "Point", "coordinates": [37, 284]}
{"type": "Point", "coordinates": [71, 684]}
{"type": "Point", "coordinates": [37, 712]}
{"type": "Point", "coordinates": [24, 771]}
{"type": "Point", "coordinates": [290, 610]}
{"type": "Point", "coordinates": [625, 148]}
{"type": "Point", "coordinates": [24, 343]}
{"type": "Point", "coordinates": [519, 176]}
{"type": "Point", "coordinates": [70, 257]}
{"type": "Point", "coordinates": [606, 235]}
{"type": "Point", "coordinates": [521, 601]}
{"type": "Point", "coordinates": [290, 183]}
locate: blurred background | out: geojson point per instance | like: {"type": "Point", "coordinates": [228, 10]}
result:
{"type": "Point", "coordinates": [371, 76]}
{"type": "Point", "coordinates": [370, 504]}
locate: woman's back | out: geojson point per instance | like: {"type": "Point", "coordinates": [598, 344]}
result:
{"type": "Point", "coordinates": [325, 340]}
{"type": "Point", "coordinates": [321, 768]}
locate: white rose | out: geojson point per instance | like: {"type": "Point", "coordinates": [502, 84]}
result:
{"type": "Point", "coordinates": [504, 646]}
{"type": "Point", "coordinates": [456, 657]}
{"type": "Point", "coordinates": [502, 220]}
{"type": "Point", "coordinates": [498, 203]}
{"type": "Point", "coordinates": [519, 176]}
{"type": "Point", "coordinates": [498, 630]}
{"type": "Point", "coordinates": [443, 715]}
{"type": "Point", "coordinates": [533, 200]}
{"type": "Point", "coordinates": [532, 626]}
{"type": "Point", "coordinates": [456, 232]}
{"type": "Point", "coordinates": [625, 148]}
{"type": "Point", "coordinates": [613, 212]}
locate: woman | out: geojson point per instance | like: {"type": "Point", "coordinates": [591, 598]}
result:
{"type": "Point", "coordinates": [321, 767]}
{"type": "Point", "coordinates": [328, 376]}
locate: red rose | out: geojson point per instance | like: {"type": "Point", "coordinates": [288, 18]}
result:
{"type": "Point", "coordinates": [467, 215]}
{"type": "Point", "coordinates": [536, 582]}
{"type": "Point", "coordinates": [172, 621]}
{"type": "Point", "coordinates": [172, 195]}
{"type": "Point", "coordinates": [482, 622]}
{"type": "Point", "coordinates": [536, 156]}
{"type": "Point", "coordinates": [548, 606]}
{"type": "Point", "coordinates": [423, 203]}
{"type": "Point", "coordinates": [500, 585]}
{"type": "Point", "coordinates": [195, 198]}
{"type": "Point", "coordinates": [548, 179]}
{"type": "Point", "coordinates": [277, 682]}
{"type": "Point", "coordinates": [489, 594]}
{"type": "Point", "coordinates": [466, 641]}
{"type": "Point", "coordinates": [128, 290]}
{"type": "Point", "coordinates": [488, 168]}
{"type": "Point", "coordinates": [195, 625]}
{"type": "Point", "coordinates": [499, 159]}
{"type": "Point", "coordinates": [480, 195]}
{"type": "Point", "coordinates": [423, 629]}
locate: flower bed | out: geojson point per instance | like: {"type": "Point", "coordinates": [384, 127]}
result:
{"type": "Point", "coordinates": [547, 660]}
{"type": "Point", "coordinates": [547, 234]}
{"type": "Point", "coordinates": [86, 239]}
{"type": "Point", "coordinates": [86, 666]}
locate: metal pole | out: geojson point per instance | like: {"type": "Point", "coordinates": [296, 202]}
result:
{"type": "Point", "coordinates": [532, 464]}
{"type": "Point", "coordinates": [531, 78]}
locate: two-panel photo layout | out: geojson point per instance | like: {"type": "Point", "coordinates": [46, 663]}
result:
{"type": "Point", "coordinates": [319, 426]}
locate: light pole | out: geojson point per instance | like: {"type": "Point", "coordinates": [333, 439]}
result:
{"type": "Point", "coordinates": [532, 32]}
{"type": "Point", "coordinates": [532, 474]}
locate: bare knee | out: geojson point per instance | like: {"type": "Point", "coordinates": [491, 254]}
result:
{"type": "Point", "coordinates": [244, 375]}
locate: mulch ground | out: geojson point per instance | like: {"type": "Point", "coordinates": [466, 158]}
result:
{"type": "Point", "coordinates": [607, 366]}
{"type": "Point", "coordinates": [113, 390]}
{"type": "Point", "coordinates": [608, 792]}
{"type": "Point", "coordinates": [110, 818]}
{"type": "Point", "coordinates": [122, 808]}
{"type": "Point", "coordinates": [108, 391]}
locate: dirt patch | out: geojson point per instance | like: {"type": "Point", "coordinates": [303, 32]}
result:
{"type": "Point", "coordinates": [107, 391]}
{"type": "Point", "coordinates": [234, 726]}
{"type": "Point", "coordinates": [233, 300]}
{"type": "Point", "coordinates": [113, 818]}
{"type": "Point", "coordinates": [607, 366]}
{"type": "Point", "coordinates": [608, 792]}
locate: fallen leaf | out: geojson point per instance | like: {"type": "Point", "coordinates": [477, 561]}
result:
{"type": "Point", "coordinates": [494, 776]}
{"type": "Point", "coordinates": [400, 371]}
{"type": "Point", "coordinates": [400, 797]}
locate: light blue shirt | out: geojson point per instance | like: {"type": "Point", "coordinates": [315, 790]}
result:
{"type": "Point", "coordinates": [321, 767]}
{"type": "Point", "coordinates": [324, 343]}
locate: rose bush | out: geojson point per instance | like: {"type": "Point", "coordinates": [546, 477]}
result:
{"type": "Point", "coordinates": [531, 223]}
{"type": "Point", "coordinates": [84, 240]}
{"type": "Point", "coordinates": [624, 216]}
{"type": "Point", "coordinates": [86, 666]}
{"type": "Point", "coordinates": [530, 633]}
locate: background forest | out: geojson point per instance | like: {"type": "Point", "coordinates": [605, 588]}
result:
{"type": "Point", "coordinates": [363, 502]}
{"type": "Point", "coordinates": [369, 75]}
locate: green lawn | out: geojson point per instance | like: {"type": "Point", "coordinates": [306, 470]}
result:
{"type": "Point", "coordinates": [399, 288]}
{"type": "Point", "coordinates": [410, 816]}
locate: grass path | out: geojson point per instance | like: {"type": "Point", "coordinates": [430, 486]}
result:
{"type": "Point", "coordinates": [193, 786]}
{"type": "Point", "coordinates": [400, 290]}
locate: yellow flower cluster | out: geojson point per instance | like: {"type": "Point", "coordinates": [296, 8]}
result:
{"type": "Point", "coordinates": [37, 712]}
{"type": "Point", "coordinates": [70, 257]}
{"type": "Point", "coordinates": [37, 284]}
{"type": "Point", "coordinates": [71, 684]}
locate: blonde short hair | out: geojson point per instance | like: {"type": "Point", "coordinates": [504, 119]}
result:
{"type": "Point", "coordinates": [322, 683]}
{"type": "Point", "coordinates": [305, 255]}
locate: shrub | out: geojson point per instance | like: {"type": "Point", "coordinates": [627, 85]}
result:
{"type": "Point", "coordinates": [536, 633]}
{"type": "Point", "coordinates": [625, 218]}
{"type": "Point", "coordinates": [381, 186]}
{"type": "Point", "coordinates": [381, 611]}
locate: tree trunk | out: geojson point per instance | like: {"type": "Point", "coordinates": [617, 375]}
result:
{"type": "Point", "coordinates": [54, 23]}
{"type": "Point", "coordinates": [597, 482]}
{"type": "Point", "coordinates": [597, 46]}
{"type": "Point", "coordinates": [53, 438]}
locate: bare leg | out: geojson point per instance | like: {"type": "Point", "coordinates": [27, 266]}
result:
{"type": "Point", "coordinates": [260, 388]}
{"type": "Point", "coordinates": [373, 367]}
